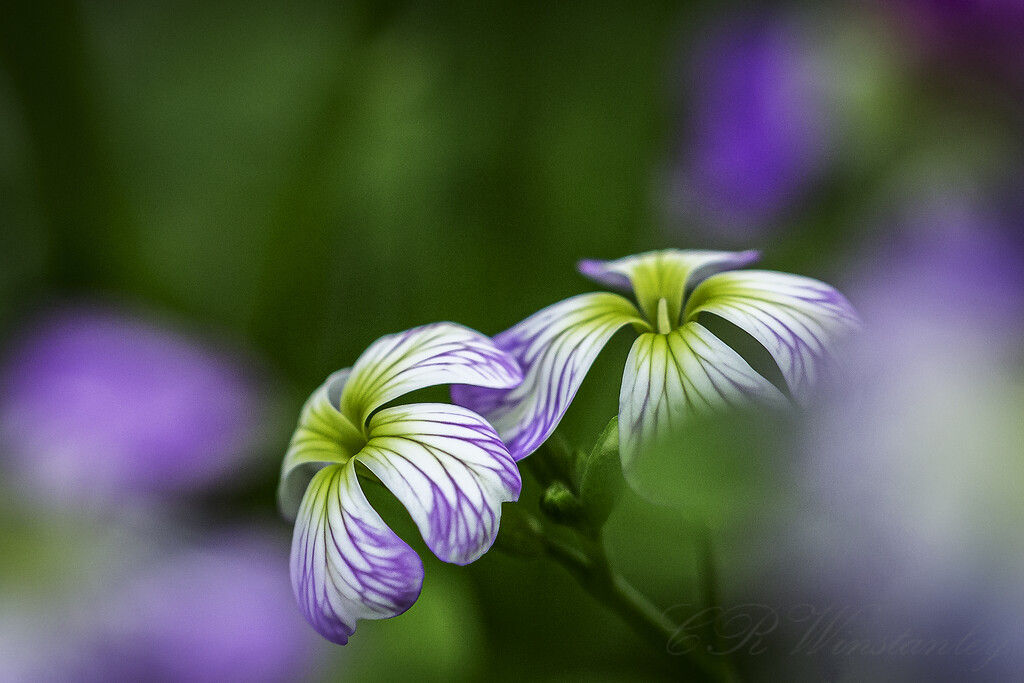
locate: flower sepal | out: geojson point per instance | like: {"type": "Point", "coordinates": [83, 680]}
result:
{"type": "Point", "coordinates": [599, 477]}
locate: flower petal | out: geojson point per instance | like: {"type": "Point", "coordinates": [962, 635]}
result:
{"type": "Point", "coordinates": [666, 274]}
{"type": "Point", "coordinates": [441, 353]}
{"type": "Point", "coordinates": [324, 435]}
{"type": "Point", "coordinates": [555, 346]}
{"type": "Point", "coordinates": [670, 378]}
{"type": "Point", "coordinates": [346, 563]}
{"type": "Point", "coordinates": [797, 319]}
{"type": "Point", "coordinates": [450, 470]}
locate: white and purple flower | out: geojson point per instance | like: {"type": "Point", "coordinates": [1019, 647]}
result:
{"type": "Point", "coordinates": [444, 463]}
{"type": "Point", "coordinates": [677, 368]}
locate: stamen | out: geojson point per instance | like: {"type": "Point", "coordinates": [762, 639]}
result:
{"type": "Point", "coordinates": [664, 326]}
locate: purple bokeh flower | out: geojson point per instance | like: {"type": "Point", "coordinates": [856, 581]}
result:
{"type": "Point", "coordinates": [217, 610]}
{"type": "Point", "coordinates": [937, 367]}
{"type": "Point", "coordinates": [914, 466]}
{"type": "Point", "coordinates": [758, 131]}
{"type": "Point", "coordinates": [99, 404]}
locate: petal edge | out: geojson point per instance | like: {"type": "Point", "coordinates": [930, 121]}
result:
{"type": "Point", "coordinates": [555, 347]}
{"type": "Point", "coordinates": [346, 564]}
{"type": "Point", "coordinates": [667, 274]}
{"type": "Point", "coordinates": [439, 353]}
{"type": "Point", "coordinates": [799, 320]}
{"type": "Point", "coordinates": [450, 469]}
{"type": "Point", "coordinates": [672, 378]}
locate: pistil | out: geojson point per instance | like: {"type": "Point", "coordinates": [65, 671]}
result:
{"type": "Point", "coordinates": [664, 326]}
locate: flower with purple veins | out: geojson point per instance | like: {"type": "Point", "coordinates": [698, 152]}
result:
{"type": "Point", "coordinates": [678, 367]}
{"type": "Point", "coordinates": [444, 463]}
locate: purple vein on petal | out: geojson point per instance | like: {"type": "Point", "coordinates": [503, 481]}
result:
{"type": "Point", "coordinates": [670, 379]}
{"type": "Point", "coordinates": [450, 470]}
{"type": "Point", "coordinates": [440, 353]}
{"type": "Point", "coordinates": [555, 347]}
{"type": "Point", "coordinates": [346, 563]}
{"type": "Point", "coordinates": [800, 321]}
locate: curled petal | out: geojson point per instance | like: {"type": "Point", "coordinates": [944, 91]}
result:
{"type": "Point", "coordinates": [555, 347]}
{"type": "Point", "coordinates": [324, 436]}
{"type": "Point", "coordinates": [797, 319]}
{"type": "Point", "coordinates": [664, 274]}
{"type": "Point", "coordinates": [441, 353]}
{"type": "Point", "coordinates": [450, 470]}
{"type": "Point", "coordinates": [346, 563]}
{"type": "Point", "coordinates": [670, 378]}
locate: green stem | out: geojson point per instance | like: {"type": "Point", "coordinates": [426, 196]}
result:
{"type": "Point", "coordinates": [591, 568]}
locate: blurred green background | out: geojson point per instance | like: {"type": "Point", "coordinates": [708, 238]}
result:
{"type": "Point", "coordinates": [291, 181]}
